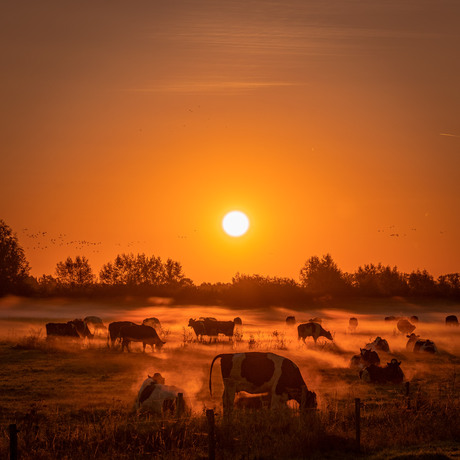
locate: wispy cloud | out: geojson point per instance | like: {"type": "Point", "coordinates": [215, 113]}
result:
{"type": "Point", "coordinates": [450, 135]}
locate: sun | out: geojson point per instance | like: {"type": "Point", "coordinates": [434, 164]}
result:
{"type": "Point", "coordinates": [235, 223]}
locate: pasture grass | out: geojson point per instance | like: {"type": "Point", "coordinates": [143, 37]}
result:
{"type": "Point", "coordinates": [76, 402]}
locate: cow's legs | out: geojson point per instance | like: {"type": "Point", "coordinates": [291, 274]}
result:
{"type": "Point", "coordinates": [228, 398]}
{"type": "Point", "coordinates": [143, 347]}
{"type": "Point", "coordinates": [125, 343]}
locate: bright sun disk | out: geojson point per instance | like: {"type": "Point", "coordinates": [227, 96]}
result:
{"type": "Point", "coordinates": [235, 223]}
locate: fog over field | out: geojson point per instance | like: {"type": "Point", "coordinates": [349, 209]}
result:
{"type": "Point", "coordinates": [184, 362]}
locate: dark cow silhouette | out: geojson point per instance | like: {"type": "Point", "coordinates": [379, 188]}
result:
{"type": "Point", "coordinates": [76, 328]}
{"type": "Point", "coordinates": [451, 320]}
{"type": "Point", "coordinates": [314, 330]}
{"type": "Point", "coordinates": [140, 333]}
{"type": "Point", "coordinates": [258, 373]}
{"type": "Point", "coordinates": [211, 327]}
{"type": "Point", "coordinates": [392, 318]}
{"type": "Point", "coordinates": [352, 324]}
{"type": "Point", "coordinates": [290, 320]}
{"type": "Point", "coordinates": [238, 321]}
{"type": "Point", "coordinates": [365, 358]}
{"type": "Point", "coordinates": [152, 322]}
{"type": "Point", "coordinates": [405, 326]}
{"type": "Point", "coordinates": [418, 345]}
{"type": "Point", "coordinates": [114, 331]}
{"type": "Point", "coordinates": [378, 344]}
{"type": "Point", "coordinates": [392, 373]}
{"type": "Point", "coordinates": [414, 319]}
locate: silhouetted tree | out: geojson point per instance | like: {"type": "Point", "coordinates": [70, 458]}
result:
{"type": "Point", "coordinates": [14, 268]}
{"type": "Point", "coordinates": [74, 273]}
{"type": "Point", "coordinates": [380, 280]}
{"type": "Point", "coordinates": [322, 276]}
{"type": "Point", "coordinates": [421, 283]}
{"type": "Point", "coordinates": [141, 270]}
{"type": "Point", "coordinates": [449, 285]}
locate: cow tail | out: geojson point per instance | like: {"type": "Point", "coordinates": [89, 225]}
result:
{"type": "Point", "coordinates": [210, 372]}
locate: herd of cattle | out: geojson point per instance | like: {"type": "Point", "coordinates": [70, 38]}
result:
{"type": "Point", "coordinates": [275, 377]}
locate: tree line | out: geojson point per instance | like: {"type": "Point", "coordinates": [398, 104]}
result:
{"type": "Point", "coordinates": [141, 274]}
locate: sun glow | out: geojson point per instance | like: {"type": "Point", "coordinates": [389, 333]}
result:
{"type": "Point", "coordinates": [235, 223]}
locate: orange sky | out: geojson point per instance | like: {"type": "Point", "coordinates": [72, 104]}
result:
{"type": "Point", "coordinates": [138, 125]}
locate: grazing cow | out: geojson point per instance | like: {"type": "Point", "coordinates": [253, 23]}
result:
{"type": "Point", "coordinates": [157, 398]}
{"type": "Point", "coordinates": [378, 344]}
{"type": "Point", "coordinates": [314, 330]}
{"type": "Point", "coordinates": [352, 324]}
{"type": "Point", "coordinates": [365, 358]}
{"type": "Point", "coordinates": [392, 373]}
{"type": "Point", "coordinates": [76, 328]}
{"type": "Point", "coordinates": [418, 345]}
{"type": "Point", "coordinates": [315, 320]}
{"type": "Point", "coordinates": [238, 321]}
{"type": "Point", "coordinates": [145, 334]}
{"type": "Point", "coordinates": [96, 323]}
{"type": "Point", "coordinates": [414, 319]}
{"type": "Point", "coordinates": [405, 326]}
{"type": "Point", "coordinates": [114, 330]}
{"type": "Point", "coordinates": [451, 320]}
{"type": "Point", "coordinates": [290, 320]}
{"type": "Point", "coordinates": [212, 327]}
{"type": "Point", "coordinates": [258, 373]}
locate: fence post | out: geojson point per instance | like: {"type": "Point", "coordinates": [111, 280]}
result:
{"type": "Point", "coordinates": [13, 442]}
{"type": "Point", "coordinates": [408, 394]}
{"type": "Point", "coordinates": [211, 434]}
{"type": "Point", "coordinates": [180, 405]}
{"type": "Point", "coordinates": [358, 423]}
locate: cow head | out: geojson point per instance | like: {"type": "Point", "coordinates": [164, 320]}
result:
{"type": "Point", "coordinates": [191, 321]}
{"type": "Point", "coordinates": [394, 363]}
{"type": "Point", "coordinates": [412, 336]}
{"type": "Point", "coordinates": [158, 378]}
{"type": "Point", "coordinates": [328, 335]}
{"type": "Point", "coordinates": [310, 398]}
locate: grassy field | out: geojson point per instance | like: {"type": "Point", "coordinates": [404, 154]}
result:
{"type": "Point", "coordinates": [75, 400]}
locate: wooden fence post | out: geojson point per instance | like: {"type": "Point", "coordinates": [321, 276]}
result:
{"type": "Point", "coordinates": [211, 434]}
{"type": "Point", "coordinates": [13, 442]}
{"type": "Point", "coordinates": [408, 394]}
{"type": "Point", "coordinates": [180, 405]}
{"type": "Point", "coordinates": [358, 423]}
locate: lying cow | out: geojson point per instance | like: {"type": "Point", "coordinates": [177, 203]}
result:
{"type": "Point", "coordinates": [314, 330]}
{"type": "Point", "coordinates": [157, 398]}
{"type": "Point", "coordinates": [76, 328]}
{"type": "Point", "coordinates": [378, 344]}
{"type": "Point", "coordinates": [145, 334]}
{"type": "Point", "coordinates": [364, 359]}
{"type": "Point", "coordinates": [114, 331]}
{"type": "Point", "coordinates": [257, 373]}
{"type": "Point", "coordinates": [392, 373]}
{"type": "Point", "coordinates": [405, 326]}
{"type": "Point", "coordinates": [418, 345]}
{"type": "Point", "coordinates": [352, 325]}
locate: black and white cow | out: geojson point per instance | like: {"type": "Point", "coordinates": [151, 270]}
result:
{"type": "Point", "coordinates": [365, 358]}
{"type": "Point", "coordinates": [392, 373]}
{"type": "Point", "coordinates": [157, 398]}
{"type": "Point", "coordinates": [96, 324]}
{"type": "Point", "coordinates": [314, 330]}
{"type": "Point", "coordinates": [418, 345]}
{"type": "Point", "coordinates": [140, 333]}
{"type": "Point", "coordinates": [258, 373]}
{"type": "Point", "coordinates": [378, 344]}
